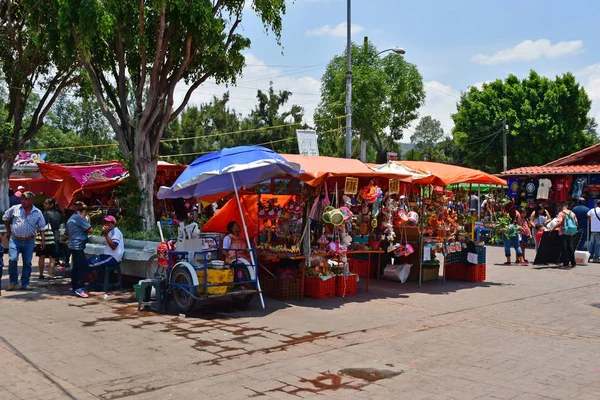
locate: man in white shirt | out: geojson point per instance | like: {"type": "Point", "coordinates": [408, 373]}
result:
{"type": "Point", "coordinates": [113, 252]}
{"type": "Point", "coordinates": [594, 244]}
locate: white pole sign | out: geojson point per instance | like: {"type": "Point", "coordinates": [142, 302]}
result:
{"type": "Point", "coordinates": [307, 142]}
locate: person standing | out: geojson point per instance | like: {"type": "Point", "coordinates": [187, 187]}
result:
{"type": "Point", "coordinates": [581, 212]}
{"type": "Point", "coordinates": [511, 237]}
{"type": "Point", "coordinates": [567, 228]}
{"type": "Point", "coordinates": [23, 222]}
{"type": "Point", "coordinates": [525, 231]}
{"type": "Point", "coordinates": [538, 220]}
{"type": "Point", "coordinates": [594, 244]}
{"type": "Point", "coordinates": [77, 232]}
{"type": "Point", "coordinates": [53, 219]}
{"type": "Point", "coordinates": [473, 203]}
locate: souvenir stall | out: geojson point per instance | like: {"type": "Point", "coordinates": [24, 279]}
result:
{"type": "Point", "coordinates": [328, 231]}
{"type": "Point", "coordinates": [430, 231]}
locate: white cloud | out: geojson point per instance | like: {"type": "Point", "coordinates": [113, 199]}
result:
{"type": "Point", "coordinates": [257, 75]}
{"type": "Point", "coordinates": [529, 50]}
{"type": "Point", "coordinates": [440, 103]}
{"type": "Point", "coordinates": [337, 31]}
{"type": "Point", "coordinates": [589, 77]}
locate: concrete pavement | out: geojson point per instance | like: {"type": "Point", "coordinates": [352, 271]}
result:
{"type": "Point", "coordinates": [526, 333]}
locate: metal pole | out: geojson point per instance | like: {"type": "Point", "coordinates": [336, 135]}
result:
{"type": "Point", "coordinates": [363, 140]}
{"type": "Point", "coordinates": [254, 264]}
{"type": "Point", "coordinates": [505, 158]}
{"type": "Point", "coordinates": [348, 84]}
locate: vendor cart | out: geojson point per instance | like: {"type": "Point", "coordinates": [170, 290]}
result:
{"type": "Point", "coordinates": [218, 173]}
{"type": "Point", "coordinates": [204, 276]}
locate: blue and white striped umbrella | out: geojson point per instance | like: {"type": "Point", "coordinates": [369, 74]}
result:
{"type": "Point", "coordinates": [212, 173]}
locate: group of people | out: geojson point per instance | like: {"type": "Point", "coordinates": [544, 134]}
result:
{"type": "Point", "coordinates": [566, 222]}
{"type": "Point", "coordinates": [30, 230]}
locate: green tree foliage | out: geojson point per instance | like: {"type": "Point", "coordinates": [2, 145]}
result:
{"type": "Point", "coordinates": [31, 60]}
{"type": "Point", "coordinates": [427, 134]}
{"type": "Point", "coordinates": [386, 95]}
{"type": "Point", "coordinates": [215, 125]}
{"type": "Point", "coordinates": [201, 130]}
{"type": "Point", "coordinates": [137, 52]}
{"type": "Point", "coordinates": [592, 129]}
{"type": "Point", "coordinates": [71, 123]}
{"type": "Point", "coordinates": [546, 118]}
{"type": "Point", "coordinates": [269, 126]}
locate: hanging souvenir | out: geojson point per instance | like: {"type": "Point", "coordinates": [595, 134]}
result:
{"type": "Point", "coordinates": [351, 186]}
{"type": "Point", "coordinates": [394, 186]}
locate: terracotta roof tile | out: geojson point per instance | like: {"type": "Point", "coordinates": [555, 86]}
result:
{"type": "Point", "coordinates": [549, 170]}
{"type": "Point", "coordinates": [571, 158]}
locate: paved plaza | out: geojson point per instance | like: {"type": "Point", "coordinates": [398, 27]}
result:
{"type": "Point", "coordinates": [526, 333]}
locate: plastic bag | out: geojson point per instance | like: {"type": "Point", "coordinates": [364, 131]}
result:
{"type": "Point", "coordinates": [397, 272]}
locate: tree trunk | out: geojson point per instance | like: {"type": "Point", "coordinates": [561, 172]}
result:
{"type": "Point", "coordinates": [144, 171]}
{"type": "Point", "coordinates": [6, 163]}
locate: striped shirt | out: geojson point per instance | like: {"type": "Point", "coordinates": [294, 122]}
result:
{"type": "Point", "coordinates": [24, 226]}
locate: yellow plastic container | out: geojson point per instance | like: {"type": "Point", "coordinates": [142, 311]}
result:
{"type": "Point", "coordinates": [215, 276]}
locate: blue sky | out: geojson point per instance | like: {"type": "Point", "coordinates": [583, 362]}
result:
{"type": "Point", "coordinates": [454, 44]}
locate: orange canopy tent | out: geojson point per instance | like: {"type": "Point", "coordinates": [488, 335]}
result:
{"type": "Point", "coordinates": [446, 174]}
{"type": "Point", "coordinates": [231, 212]}
{"type": "Point", "coordinates": [318, 169]}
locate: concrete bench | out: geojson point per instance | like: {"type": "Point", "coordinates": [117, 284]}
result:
{"type": "Point", "coordinates": [137, 253]}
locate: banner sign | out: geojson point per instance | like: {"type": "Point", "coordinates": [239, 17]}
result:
{"type": "Point", "coordinates": [307, 142]}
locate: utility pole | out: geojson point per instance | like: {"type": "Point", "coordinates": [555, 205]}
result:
{"type": "Point", "coordinates": [505, 158]}
{"type": "Point", "coordinates": [349, 83]}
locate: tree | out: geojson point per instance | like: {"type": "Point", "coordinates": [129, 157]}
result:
{"type": "Point", "coordinates": [201, 130]}
{"type": "Point", "coordinates": [592, 129]}
{"type": "Point", "coordinates": [546, 120]}
{"type": "Point", "coordinates": [137, 53]}
{"type": "Point", "coordinates": [269, 126]}
{"type": "Point", "coordinates": [427, 134]}
{"type": "Point", "coordinates": [386, 95]}
{"type": "Point", "coordinates": [32, 61]}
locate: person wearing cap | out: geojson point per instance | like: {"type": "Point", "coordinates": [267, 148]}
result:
{"type": "Point", "coordinates": [113, 251]}
{"type": "Point", "coordinates": [23, 222]}
{"type": "Point", "coordinates": [20, 191]}
{"type": "Point", "coordinates": [581, 211]}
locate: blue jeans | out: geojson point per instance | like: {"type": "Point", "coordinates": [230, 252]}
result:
{"type": "Point", "coordinates": [15, 248]}
{"type": "Point", "coordinates": [514, 242]}
{"type": "Point", "coordinates": [594, 245]}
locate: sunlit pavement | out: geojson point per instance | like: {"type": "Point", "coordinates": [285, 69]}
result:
{"type": "Point", "coordinates": [526, 333]}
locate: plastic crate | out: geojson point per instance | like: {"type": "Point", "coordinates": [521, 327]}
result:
{"type": "Point", "coordinates": [282, 289]}
{"type": "Point", "coordinates": [345, 286]}
{"type": "Point", "coordinates": [318, 288]}
{"type": "Point", "coordinates": [475, 273]}
{"type": "Point", "coordinates": [481, 254]}
{"type": "Point", "coordinates": [361, 268]}
{"type": "Point", "coordinates": [455, 271]}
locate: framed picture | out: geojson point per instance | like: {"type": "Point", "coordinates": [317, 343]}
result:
{"type": "Point", "coordinates": [394, 186]}
{"type": "Point", "coordinates": [351, 186]}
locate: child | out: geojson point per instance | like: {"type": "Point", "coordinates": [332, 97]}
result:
{"type": "Point", "coordinates": [525, 232]}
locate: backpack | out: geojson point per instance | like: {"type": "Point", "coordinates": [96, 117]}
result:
{"type": "Point", "coordinates": [569, 226]}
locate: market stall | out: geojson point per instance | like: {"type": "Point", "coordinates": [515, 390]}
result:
{"type": "Point", "coordinates": [328, 231]}
{"type": "Point", "coordinates": [433, 223]}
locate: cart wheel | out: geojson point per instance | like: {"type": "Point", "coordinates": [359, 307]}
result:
{"type": "Point", "coordinates": [242, 274]}
{"type": "Point", "coordinates": [183, 300]}
{"type": "Point", "coordinates": [153, 269]}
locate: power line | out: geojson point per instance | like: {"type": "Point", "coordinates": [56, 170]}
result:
{"type": "Point", "coordinates": [186, 138]}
